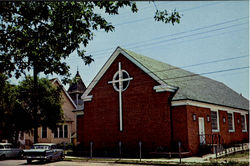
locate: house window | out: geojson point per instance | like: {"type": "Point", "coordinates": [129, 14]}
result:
{"type": "Point", "coordinates": [214, 120]}
{"type": "Point", "coordinates": [60, 131]}
{"type": "Point", "coordinates": [65, 131]}
{"type": "Point", "coordinates": [230, 122]}
{"type": "Point", "coordinates": [56, 133]}
{"type": "Point", "coordinates": [243, 123]}
{"type": "Point", "coordinates": [44, 132]}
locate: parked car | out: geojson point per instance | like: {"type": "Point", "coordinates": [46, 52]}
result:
{"type": "Point", "coordinates": [8, 151]}
{"type": "Point", "coordinates": [43, 152]}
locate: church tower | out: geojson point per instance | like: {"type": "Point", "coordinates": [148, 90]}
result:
{"type": "Point", "coordinates": [76, 89]}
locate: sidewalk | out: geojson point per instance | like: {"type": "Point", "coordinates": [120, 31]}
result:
{"type": "Point", "coordinates": [143, 161]}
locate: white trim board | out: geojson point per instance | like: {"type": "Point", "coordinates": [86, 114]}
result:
{"type": "Point", "coordinates": [207, 105]}
{"type": "Point", "coordinates": [159, 88]}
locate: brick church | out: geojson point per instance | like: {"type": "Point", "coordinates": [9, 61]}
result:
{"type": "Point", "coordinates": [136, 99]}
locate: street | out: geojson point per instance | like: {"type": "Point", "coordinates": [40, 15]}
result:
{"type": "Point", "coordinates": [59, 163]}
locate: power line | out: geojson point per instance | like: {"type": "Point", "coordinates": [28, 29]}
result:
{"type": "Point", "coordinates": [185, 76]}
{"type": "Point", "coordinates": [148, 18]}
{"type": "Point", "coordinates": [183, 32]}
{"type": "Point", "coordinates": [73, 61]}
{"type": "Point", "coordinates": [189, 40]}
{"type": "Point", "coordinates": [192, 65]}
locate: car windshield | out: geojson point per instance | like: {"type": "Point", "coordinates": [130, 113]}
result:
{"type": "Point", "coordinates": [8, 146]}
{"type": "Point", "coordinates": [41, 147]}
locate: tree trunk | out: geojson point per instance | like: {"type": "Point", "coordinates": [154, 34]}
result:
{"type": "Point", "coordinates": [35, 102]}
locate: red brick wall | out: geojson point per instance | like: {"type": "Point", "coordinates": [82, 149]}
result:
{"type": "Point", "coordinates": [146, 115]}
{"type": "Point", "coordinates": [193, 126]}
{"type": "Point", "coordinates": [79, 128]}
{"type": "Point", "coordinates": [186, 128]}
{"type": "Point", "coordinates": [180, 130]}
{"type": "Point", "coordinates": [231, 137]}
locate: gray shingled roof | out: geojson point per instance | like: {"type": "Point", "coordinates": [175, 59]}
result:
{"type": "Point", "coordinates": [192, 86]}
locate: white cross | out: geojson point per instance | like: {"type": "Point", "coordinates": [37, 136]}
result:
{"type": "Point", "coordinates": [120, 80]}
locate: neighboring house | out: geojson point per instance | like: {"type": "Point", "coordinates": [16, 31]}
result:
{"type": "Point", "coordinates": [66, 130]}
{"type": "Point", "coordinates": [136, 99]}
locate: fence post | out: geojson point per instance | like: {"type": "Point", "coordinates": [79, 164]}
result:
{"type": "Point", "coordinates": [179, 144]}
{"type": "Point", "coordinates": [120, 149]}
{"type": "Point", "coordinates": [91, 150]}
{"type": "Point", "coordinates": [216, 150]}
{"type": "Point", "coordinates": [140, 143]}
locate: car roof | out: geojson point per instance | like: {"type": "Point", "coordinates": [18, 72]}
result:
{"type": "Point", "coordinates": [5, 143]}
{"type": "Point", "coordinates": [48, 144]}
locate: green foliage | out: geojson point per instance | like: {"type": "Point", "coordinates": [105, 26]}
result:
{"type": "Point", "coordinates": [40, 34]}
{"type": "Point", "coordinates": [12, 112]}
{"type": "Point", "coordinates": [167, 17]}
{"type": "Point", "coordinates": [49, 103]}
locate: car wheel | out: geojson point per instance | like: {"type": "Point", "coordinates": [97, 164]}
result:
{"type": "Point", "coordinates": [2, 157]}
{"type": "Point", "coordinates": [61, 157]}
{"type": "Point", "coordinates": [29, 161]}
{"type": "Point", "coordinates": [20, 155]}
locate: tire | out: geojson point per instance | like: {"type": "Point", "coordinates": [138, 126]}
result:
{"type": "Point", "coordinates": [61, 157]}
{"type": "Point", "coordinates": [29, 161]}
{"type": "Point", "coordinates": [20, 155]}
{"type": "Point", "coordinates": [2, 157]}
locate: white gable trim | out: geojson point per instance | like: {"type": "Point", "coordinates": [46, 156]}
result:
{"type": "Point", "coordinates": [64, 90]}
{"type": "Point", "coordinates": [163, 88]}
{"type": "Point", "coordinates": [210, 106]}
{"type": "Point", "coordinates": [159, 88]}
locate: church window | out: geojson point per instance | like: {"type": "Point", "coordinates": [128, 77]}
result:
{"type": "Point", "coordinates": [230, 122]}
{"type": "Point", "coordinates": [243, 123]}
{"type": "Point", "coordinates": [215, 121]}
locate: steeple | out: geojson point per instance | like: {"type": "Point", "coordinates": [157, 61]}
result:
{"type": "Point", "coordinates": [76, 88]}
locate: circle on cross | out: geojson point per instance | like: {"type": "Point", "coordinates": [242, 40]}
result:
{"type": "Point", "coordinates": [122, 79]}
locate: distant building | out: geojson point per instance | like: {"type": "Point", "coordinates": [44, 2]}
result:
{"type": "Point", "coordinates": [66, 130]}
{"type": "Point", "coordinates": [137, 100]}
{"type": "Point", "coordinates": [76, 89]}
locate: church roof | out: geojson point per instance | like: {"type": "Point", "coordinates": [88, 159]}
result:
{"type": "Point", "coordinates": [192, 86]}
{"type": "Point", "coordinates": [77, 85]}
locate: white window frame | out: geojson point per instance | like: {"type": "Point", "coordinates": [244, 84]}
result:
{"type": "Point", "coordinates": [58, 131]}
{"type": "Point", "coordinates": [245, 119]}
{"type": "Point", "coordinates": [233, 125]}
{"type": "Point", "coordinates": [218, 121]}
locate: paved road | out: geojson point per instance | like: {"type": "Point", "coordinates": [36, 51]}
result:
{"type": "Point", "coordinates": [58, 163]}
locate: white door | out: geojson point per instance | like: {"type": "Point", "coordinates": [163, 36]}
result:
{"type": "Point", "coordinates": [202, 130]}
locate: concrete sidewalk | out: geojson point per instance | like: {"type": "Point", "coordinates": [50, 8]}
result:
{"type": "Point", "coordinates": [145, 160]}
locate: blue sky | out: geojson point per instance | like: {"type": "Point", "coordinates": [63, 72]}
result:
{"type": "Point", "coordinates": [208, 31]}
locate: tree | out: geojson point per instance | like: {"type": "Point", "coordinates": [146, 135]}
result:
{"type": "Point", "coordinates": [16, 107]}
{"type": "Point", "coordinates": [12, 112]}
{"type": "Point", "coordinates": [38, 35]}
{"type": "Point", "coordinates": [49, 103]}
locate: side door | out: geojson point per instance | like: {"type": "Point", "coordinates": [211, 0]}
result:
{"type": "Point", "coordinates": [202, 131]}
